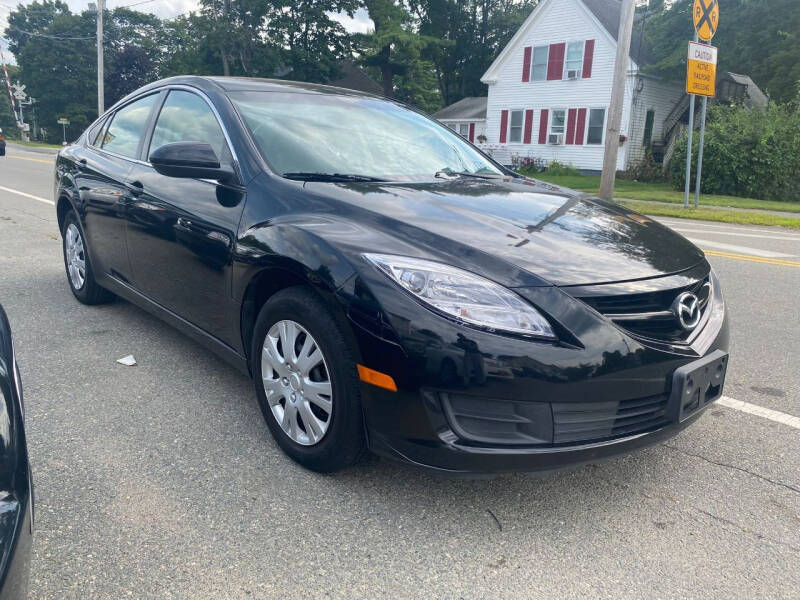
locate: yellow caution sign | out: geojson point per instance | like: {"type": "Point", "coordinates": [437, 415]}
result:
{"type": "Point", "coordinates": [701, 71]}
{"type": "Point", "coordinates": [706, 18]}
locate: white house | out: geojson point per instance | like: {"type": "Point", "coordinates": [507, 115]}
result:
{"type": "Point", "coordinates": [550, 87]}
{"type": "Point", "coordinates": [466, 117]}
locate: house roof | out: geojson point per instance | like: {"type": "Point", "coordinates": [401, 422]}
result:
{"type": "Point", "coordinates": [609, 12]}
{"type": "Point", "coordinates": [606, 13]}
{"type": "Point", "coordinates": [755, 97]}
{"type": "Point", "coordinates": [352, 77]}
{"type": "Point", "coordinates": [472, 107]}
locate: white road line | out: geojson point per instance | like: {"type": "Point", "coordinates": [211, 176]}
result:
{"type": "Point", "coordinates": [31, 196]}
{"type": "Point", "coordinates": [738, 249]}
{"type": "Point", "coordinates": [760, 411]}
{"type": "Point", "coordinates": [736, 233]}
{"type": "Point", "coordinates": [684, 222]}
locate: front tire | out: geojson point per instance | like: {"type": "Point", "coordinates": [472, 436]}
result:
{"type": "Point", "coordinates": [306, 381]}
{"type": "Point", "coordinates": [78, 265]}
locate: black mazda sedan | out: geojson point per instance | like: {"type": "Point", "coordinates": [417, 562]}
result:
{"type": "Point", "coordinates": [386, 284]}
{"type": "Point", "coordinates": [16, 492]}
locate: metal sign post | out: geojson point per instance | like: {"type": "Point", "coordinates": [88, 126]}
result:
{"type": "Point", "coordinates": [63, 121]}
{"type": "Point", "coordinates": [689, 149]}
{"type": "Point", "coordinates": [701, 76]}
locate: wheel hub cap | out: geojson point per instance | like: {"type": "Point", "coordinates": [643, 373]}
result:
{"type": "Point", "coordinates": [297, 382]}
{"type": "Point", "coordinates": [75, 256]}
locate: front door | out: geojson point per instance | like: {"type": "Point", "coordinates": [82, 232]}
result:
{"type": "Point", "coordinates": [181, 232]}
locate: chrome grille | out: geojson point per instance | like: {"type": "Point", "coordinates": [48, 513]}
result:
{"type": "Point", "coordinates": [651, 314]}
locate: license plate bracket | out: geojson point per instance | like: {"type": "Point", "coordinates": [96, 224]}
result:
{"type": "Point", "coordinates": [697, 384]}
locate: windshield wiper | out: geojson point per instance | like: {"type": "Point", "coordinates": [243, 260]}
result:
{"type": "Point", "coordinates": [334, 177]}
{"type": "Point", "coordinates": [451, 173]}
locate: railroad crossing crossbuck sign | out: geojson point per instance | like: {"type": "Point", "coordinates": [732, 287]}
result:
{"type": "Point", "coordinates": [706, 18]}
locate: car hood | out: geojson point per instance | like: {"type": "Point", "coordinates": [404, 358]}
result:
{"type": "Point", "coordinates": [556, 234]}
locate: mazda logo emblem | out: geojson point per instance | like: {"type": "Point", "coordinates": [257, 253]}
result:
{"type": "Point", "coordinates": [688, 310]}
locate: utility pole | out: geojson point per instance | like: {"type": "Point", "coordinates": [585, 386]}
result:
{"type": "Point", "coordinates": [614, 122]}
{"type": "Point", "coordinates": [101, 101]}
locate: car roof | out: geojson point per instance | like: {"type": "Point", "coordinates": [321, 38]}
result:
{"type": "Point", "coordinates": [240, 84]}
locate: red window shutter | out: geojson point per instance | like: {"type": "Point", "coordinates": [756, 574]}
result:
{"type": "Point", "coordinates": [526, 64]}
{"type": "Point", "coordinates": [588, 59]}
{"type": "Point", "coordinates": [503, 126]}
{"type": "Point", "coordinates": [555, 61]}
{"type": "Point", "coordinates": [472, 132]}
{"type": "Point", "coordinates": [580, 128]}
{"type": "Point", "coordinates": [572, 114]}
{"type": "Point", "coordinates": [528, 126]}
{"type": "Point", "coordinates": [543, 126]}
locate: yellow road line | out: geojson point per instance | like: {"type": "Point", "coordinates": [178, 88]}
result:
{"type": "Point", "coordinates": [47, 162]}
{"type": "Point", "coordinates": [759, 259]}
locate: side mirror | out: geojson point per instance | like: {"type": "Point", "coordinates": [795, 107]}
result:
{"type": "Point", "coordinates": [196, 160]}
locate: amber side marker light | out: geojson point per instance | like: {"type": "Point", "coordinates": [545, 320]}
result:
{"type": "Point", "coordinates": [376, 378]}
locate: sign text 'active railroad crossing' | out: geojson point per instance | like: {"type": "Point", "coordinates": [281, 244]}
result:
{"type": "Point", "coordinates": [701, 72]}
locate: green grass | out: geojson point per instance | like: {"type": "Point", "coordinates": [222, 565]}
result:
{"type": "Point", "coordinates": [662, 192]}
{"type": "Point", "coordinates": [33, 144]}
{"type": "Point", "coordinates": [710, 214]}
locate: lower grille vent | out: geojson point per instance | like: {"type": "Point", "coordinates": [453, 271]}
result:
{"type": "Point", "coordinates": [586, 421]}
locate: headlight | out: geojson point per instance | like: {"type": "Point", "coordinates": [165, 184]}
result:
{"type": "Point", "coordinates": [463, 295]}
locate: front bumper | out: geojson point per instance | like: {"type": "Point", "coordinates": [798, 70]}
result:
{"type": "Point", "coordinates": [472, 402]}
{"type": "Point", "coordinates": [474, 439]}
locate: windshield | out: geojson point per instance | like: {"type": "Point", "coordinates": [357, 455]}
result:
{"type": "Point", "coordinates": [302, 133]}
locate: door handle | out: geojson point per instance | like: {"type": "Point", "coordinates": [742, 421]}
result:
{"type": "Point", "coordinates": [134, 187]}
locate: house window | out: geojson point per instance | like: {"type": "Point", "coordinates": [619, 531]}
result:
{"type": "Point", "coordinates": [558, 121]}
{"type": "Point", "coordinates": [597, 117]}
{"type": "Point", "coordinates": [648, 128]}
{"type": "Point", "coordinates": [515, 131]}
{"type": "Point", "coordinates": [463, 129]}
{"type": "Point", "coordinates": [574, 62]}
{"type": "Point", "coordinates": [539, 66]}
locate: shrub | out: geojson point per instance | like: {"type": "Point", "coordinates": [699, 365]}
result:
{"type": "Point", "coordinates": [557, 168]}
{"type": "Point", "coordinates": [751, 153]}
{"type": "Point", "coordinates": [647, 170]}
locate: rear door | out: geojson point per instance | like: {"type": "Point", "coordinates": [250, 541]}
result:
{"type": "Point", "coordinates": [103, 168]}
{"type": "Point", "coordinates": [181, 231]}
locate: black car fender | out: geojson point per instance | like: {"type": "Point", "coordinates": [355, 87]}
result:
{"type": "Point", "coordinates": [274, 255]}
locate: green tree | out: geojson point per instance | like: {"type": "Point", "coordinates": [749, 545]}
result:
{"type": "Point", "coordinates": [759, 38]}
{"type": "Point", "coordinates": [395, 45]}
{"type": "Point", "coordinates": [309, 43]}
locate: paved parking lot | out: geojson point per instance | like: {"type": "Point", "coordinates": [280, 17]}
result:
{"type": "Point", "coordinates": [161, 480]}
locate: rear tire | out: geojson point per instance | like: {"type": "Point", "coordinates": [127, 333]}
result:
{"type": "Point", "coordinates": [78, 264]}
{"type": "Point", "coordinates": [308, 390]}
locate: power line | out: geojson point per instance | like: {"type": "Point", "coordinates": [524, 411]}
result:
{"type": "Point", "coordinates": [136, 4]}
{"type": "Point", "coordinates": [50, 37]}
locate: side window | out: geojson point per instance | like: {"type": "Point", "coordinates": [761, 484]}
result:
{"type": "Point", "coordinates": [539, 64]}
{"type": "Point", "coordinates": [597, 117]}
{"type": "Point", "coordinates": [558, 121]}
{"type": "Point", "coordinates": [515, 131]}
{"type": "Point", "coordinates": [93, 137]}
{"type": "Point", "coordinates": [185, 117]}
{"type": "Point", "coordinates": [127, 127]}
{"type": "Point", "coordinates": [574, 62]}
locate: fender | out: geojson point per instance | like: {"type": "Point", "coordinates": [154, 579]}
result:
{"type": "Point", "coordinates": [295, 247]}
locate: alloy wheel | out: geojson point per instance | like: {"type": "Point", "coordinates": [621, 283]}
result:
{"type": "Point", "coordinates": [76, 256]}
{"type": "Point", "coordinates": [297, 382]}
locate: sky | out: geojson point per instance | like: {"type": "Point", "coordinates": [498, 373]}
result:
{"type": "Point", "coordinates": [161, 8]}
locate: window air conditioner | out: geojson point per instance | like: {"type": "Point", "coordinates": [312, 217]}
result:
{"type": "Point", "coordinates": [572, 74]}
{"type": "Point", "coordinates": [555, 139]}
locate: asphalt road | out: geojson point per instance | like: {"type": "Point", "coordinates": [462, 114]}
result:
{"type": "Point", "coordinates": [161, 480]}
